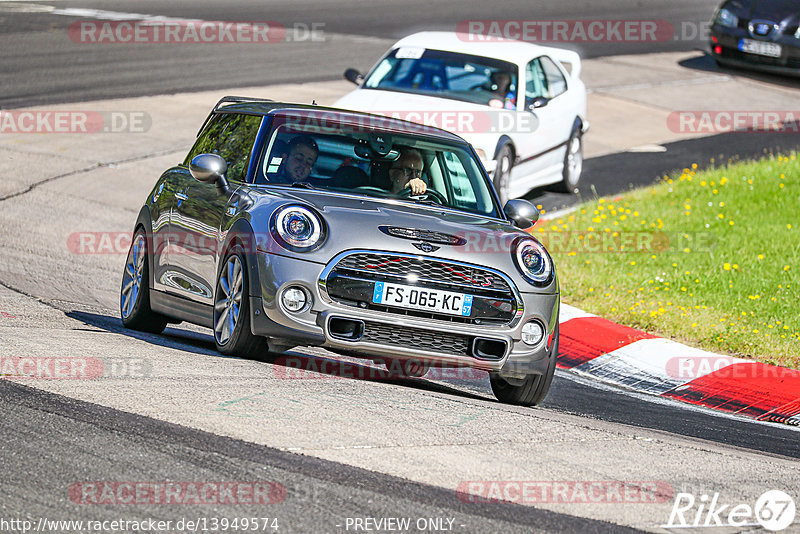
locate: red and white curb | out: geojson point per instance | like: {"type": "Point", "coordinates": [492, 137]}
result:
{"type": "Point", "coordinates": [630, 358]}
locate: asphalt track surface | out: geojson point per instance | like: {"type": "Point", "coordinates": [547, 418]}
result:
{"type": "Point", "coordinates": [50, 441]}
{"type": "Point", "coordinates": [41, 65]}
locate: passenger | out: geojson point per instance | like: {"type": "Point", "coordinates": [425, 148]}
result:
{"type": "Point", "coordinates": [501, 87]}
{"type": "Point", "coordinates": [298, 160]}
{"type": "Point", "coordinates": [406, 171]}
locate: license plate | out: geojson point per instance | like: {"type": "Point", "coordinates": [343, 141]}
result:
{"type": "Point", "coordinates": [760, 47]}
{"type": "Point", "coordinates": [417, 298]}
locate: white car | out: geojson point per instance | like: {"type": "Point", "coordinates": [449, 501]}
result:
{"type": "Point", "coordinates": [430, 76]}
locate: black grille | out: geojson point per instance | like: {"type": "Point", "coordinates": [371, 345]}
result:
{"type": "Point", "coordinates": [440, 273]}
{"type": "Point", "coordinates": [416, 338]}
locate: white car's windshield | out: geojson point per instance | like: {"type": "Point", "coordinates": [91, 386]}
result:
{"type": "Point", "coordinates": [452, 75]}
{"type": "Point", "coordinates": [298, 155]}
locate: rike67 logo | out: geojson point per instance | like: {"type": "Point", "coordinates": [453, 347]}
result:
{"type": "Point", "coordinates": [774, 511]}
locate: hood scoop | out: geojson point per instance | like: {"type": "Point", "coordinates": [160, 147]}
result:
{"type": "Point", "coordinates": [423, 235]}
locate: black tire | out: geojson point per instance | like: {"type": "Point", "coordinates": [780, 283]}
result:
{"type": "Point", "coordinates": [240, 341]}
{"type": "Point", "coordinates": [134, 302]}
{"type": "Point", "coordinates": [573, 164]}
{"type": "Point", "coordinates": [502, 173]}
{"type": "Point", "coordinates": [400, 368]}
{"type": "Point", "coordinates": [532, 390]}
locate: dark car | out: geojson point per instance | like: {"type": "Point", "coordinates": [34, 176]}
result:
{"type": "Point", "coordinates": [284, 226]}
{"type": "Point", "coordinates": [758, 34]}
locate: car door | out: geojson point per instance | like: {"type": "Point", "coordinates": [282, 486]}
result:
{"type": "Point", "coordinates": [199, 207]}
{"type": "Point", "coordinates": [541, 154]}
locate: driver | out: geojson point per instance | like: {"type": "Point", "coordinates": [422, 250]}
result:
{"type": "Point", "coordinates": [406, 172]}
{"type": "Point", "coordinates": [298, 160]}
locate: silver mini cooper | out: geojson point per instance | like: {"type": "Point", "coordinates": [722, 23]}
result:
{"type": "Point", "coordinates": [290, 225]}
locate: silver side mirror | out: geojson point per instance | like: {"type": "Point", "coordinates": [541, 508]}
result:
{"type": "Point", "coordinates": [210, 169]}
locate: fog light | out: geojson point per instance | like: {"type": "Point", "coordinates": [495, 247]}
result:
{"type": "Point", "coordinates": [532, 333]}
{"type": "Point", "coordinates": [294, 299]}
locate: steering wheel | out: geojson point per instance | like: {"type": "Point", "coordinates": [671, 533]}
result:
{"type": "Point", "coordinates": [429, 194]}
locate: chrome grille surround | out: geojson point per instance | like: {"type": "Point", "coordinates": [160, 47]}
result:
{"type": "Point", "coordinates": [432, 272]}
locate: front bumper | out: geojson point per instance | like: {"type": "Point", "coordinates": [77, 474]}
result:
{"type": "Point", "coordinates": [727, 39]}
{"type": "Point", "coordinates": [391, 335]}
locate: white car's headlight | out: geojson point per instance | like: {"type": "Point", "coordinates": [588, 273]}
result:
{"type": "Point", "coordinates": [533, 261]}
{"type": "Point", "coordinates": [725, 17]}
{"type": "Point", "coordinates": [297, 228]}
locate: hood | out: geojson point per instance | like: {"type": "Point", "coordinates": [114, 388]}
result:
{"type": "Point", "coordinates": [476, 123]}
{"type": "Point", "coordinates": [354, 223]}
{"type": "Point", "coordinates": [772, 10]}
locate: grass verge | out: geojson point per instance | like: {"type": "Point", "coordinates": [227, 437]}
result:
{"type": "Point", "coordinates": [709, 258]}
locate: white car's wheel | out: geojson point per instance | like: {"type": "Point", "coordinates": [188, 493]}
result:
{"type": "Point", "coordinates": [573, 163]}
{"type": "Point", "coordinates": [502, 173]}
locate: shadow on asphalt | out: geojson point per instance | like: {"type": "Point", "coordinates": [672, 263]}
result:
{"type": "Point", "coordinates": [618, 173]}
{"type": "Point", "coordinates": [290, 365]}
{"type": "Point", "coordinates": [706, 63]}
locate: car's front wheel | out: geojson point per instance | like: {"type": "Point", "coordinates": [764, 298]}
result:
{"type": "Point", "coordinates": [529, 391]}
{"type": "Point", "coordinates": [502, 173]}
{"type": "Point", "coordinates": [134, 295]}
{"type": "Point", "coordinates": [232, 332]}
{"type": "Point", "coordinates": [573, 163]}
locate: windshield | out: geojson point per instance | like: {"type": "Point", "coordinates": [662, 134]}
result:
{"type": "Point", "coordinates": [372, 163]}
{"type": "Point", "coordinates": [463, 77]}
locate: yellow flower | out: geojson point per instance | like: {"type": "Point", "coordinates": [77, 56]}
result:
{"type": "Point", "coordinates": [727, 266]}
{"type": "Point", "coordinates": [785, 268]}
{"type": "Point", "coordinates": [788, 226]}
{"type": "Point", "coordinates": [760, 256]}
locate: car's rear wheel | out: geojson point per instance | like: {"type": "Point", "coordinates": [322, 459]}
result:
{"type": "Point", "coordinates": [573, 163]}
{"type": "Point", "coordinates": [502, 173]}
{"type": "Point", "coordinates": [134, 297]}
{"type": "Point", "coordinates": [232, 332]}
{"type": "Point", "coordinates": [529, 391]}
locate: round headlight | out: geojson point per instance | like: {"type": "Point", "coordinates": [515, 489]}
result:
{"type": "Point", "coordinates": [533, 261]}
{"type": "Point", "coordinates": [298, 227]}
{"type": "Point", "coordinates": [726, 18]}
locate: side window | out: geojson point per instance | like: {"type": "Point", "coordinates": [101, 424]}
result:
{"type": "Point", "coordinates": [230, 135]}
{"type": "Point", "coordinates": [556, 83]}
{"type": "Point", "coordinates": [535, 82]}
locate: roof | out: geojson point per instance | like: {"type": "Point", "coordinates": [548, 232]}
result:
{"type": "Point", "coordinates": [476, 45]}
{"type": "Point", "coordinates": [327, 116]}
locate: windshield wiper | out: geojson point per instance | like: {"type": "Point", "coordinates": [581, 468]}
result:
{"type": "Point", "coordinates": [304, 185]}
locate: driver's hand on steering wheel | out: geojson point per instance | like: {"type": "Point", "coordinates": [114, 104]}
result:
{"type": "Point", "coordinates": [417, 186]}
